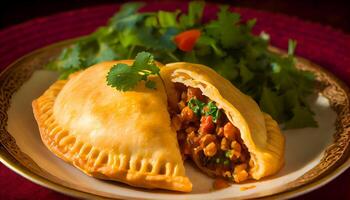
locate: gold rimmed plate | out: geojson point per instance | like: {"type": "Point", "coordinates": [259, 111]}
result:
{"type": "Point", "coordinates": [314, 156]}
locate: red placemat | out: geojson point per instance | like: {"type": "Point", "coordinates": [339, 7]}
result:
{"type": "Point", "coordinates": [323, 45]}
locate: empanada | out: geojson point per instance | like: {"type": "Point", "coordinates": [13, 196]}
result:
{"type": "Point", "coordinates": [108, 134]}
{"type": "Point", "coordinates": [134, 136]}
{"type": "Point", "coordinates": [222, 129]}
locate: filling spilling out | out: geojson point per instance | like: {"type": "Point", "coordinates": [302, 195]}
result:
{"type": "Point", "coordinates": [205, 134]}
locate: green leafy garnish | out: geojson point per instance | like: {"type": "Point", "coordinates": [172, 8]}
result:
{"type": "Point", "coordinates": [302, 118]}
{"type": "Point", "coordinates": [196, 106]}
{"type": "Point", "coordinates": [212, 110]}
{"type": "Point", "coordinates": [226, 44]}
{"type": "Point", "coordinates": [200, 108]}
{"type": "Point", "coordinates": [124, 77]}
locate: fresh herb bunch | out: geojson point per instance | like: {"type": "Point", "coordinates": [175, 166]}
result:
{"type": "Point", "coordinates": [226, 44]}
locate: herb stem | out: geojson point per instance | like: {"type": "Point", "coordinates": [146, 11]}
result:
{"type": "Point", "coordinates": [131, 51]}
{"type": "Point", "coordinates": [171, 55]}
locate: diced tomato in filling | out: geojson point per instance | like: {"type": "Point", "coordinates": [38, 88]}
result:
{"type": "Point", "coordinates": [207, 125]}
{"type": "Point", "coordinates": [216, 143]}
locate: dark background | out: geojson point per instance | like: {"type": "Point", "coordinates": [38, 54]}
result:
{"type": "Point", "coordinates": [335, 13]}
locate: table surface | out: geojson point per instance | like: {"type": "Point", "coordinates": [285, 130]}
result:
{"type": "Point", "coordinates": [335, 13]}
{"type": "Point", "coordinates": [312, 39]}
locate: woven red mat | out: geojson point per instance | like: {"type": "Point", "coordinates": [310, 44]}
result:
{"type": "Point", "coordinates": [323, 45]}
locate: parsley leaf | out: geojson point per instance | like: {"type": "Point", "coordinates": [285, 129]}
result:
{"type": "Point", "coordinates": [245, 73]}
{"type": "Point", "coordinates": [302, 117]}
{"type": "Point", "coordinates": [271, 103]}
{"type": "Point", "coordinates": [194, 16]}
{"type": "Point", "coordinates": [168, 19]}
{"type": "Point", "coordinates": [124, 77]}
{"type": "Point", "coordinates": [223, 29]}
{"type": "Point", "coordinates": [126, 10]}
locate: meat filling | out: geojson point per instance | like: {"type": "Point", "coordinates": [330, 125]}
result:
{"type": "Point", "coordinates": [205, 134]}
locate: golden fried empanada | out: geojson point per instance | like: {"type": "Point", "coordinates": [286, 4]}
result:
{"type": "Point", "coordinates": [108, 134]}
{"type": "Point", "coordinates": [134, 136]}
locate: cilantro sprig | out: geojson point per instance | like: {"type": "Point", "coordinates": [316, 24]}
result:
{"type": "Point", "coordinates": [226, 44]}
{"type": "Point", "coordinates": [124, 77]}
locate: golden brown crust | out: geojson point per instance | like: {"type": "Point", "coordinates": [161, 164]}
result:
{"type": "Point", "coordinates": [105, 163]}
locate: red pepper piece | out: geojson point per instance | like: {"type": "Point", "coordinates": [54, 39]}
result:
{"type": "Point", "coordinates": [186, 40]}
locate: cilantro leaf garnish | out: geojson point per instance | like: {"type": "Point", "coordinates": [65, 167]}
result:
{"type": "Point", "coordinates": [302, 117]}
{"type": "Point", "coordinates": [213, 110]}
{"type": "Point", "coordinates": [196, 106]}
{"type": "Point", "coordinates": [271, 103]}
{"type": "Point", "coordinates": [124, 77]}
{"type": "Point", "coordinates": [200, 108]}
{"type": "Point", "coordinates": [222, 30]}
{"type": "Point", "coordinates": [226, 44]}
